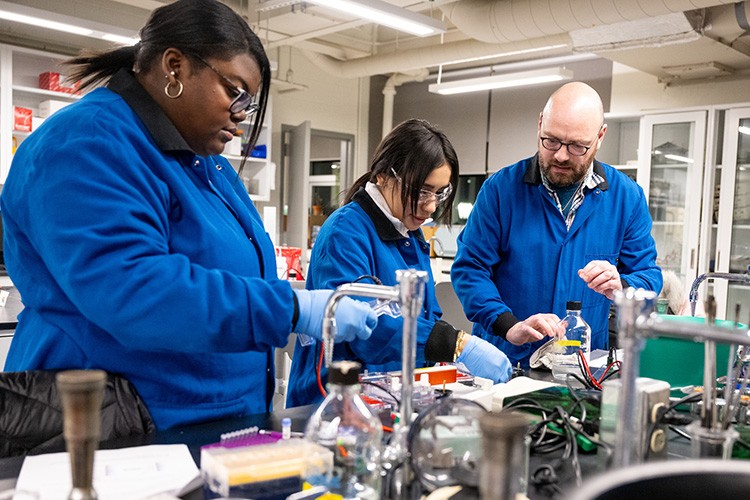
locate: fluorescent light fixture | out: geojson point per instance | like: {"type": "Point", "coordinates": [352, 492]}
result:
{"type": "Point", "coordinates": [503, 81]}
{"type": "Point", "coordinates": [44, 23]}
{"type": "Point", "coordinates": [743, 130]}
{"type": "Point", "coordinates": [682, 159]}
{"type": "Point", "coordinates": [123, 40]}
{"type": "Point", "coordinates": [381, 12]}
{"type": "Point", "coordinates": [68, 24]}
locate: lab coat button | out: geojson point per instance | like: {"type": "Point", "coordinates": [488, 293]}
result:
{"type": "Point", "coordinates": [218, 167]}
{"type": "Point", "coordinates": [196, 163]}
{"type": "Point", "coordinates": [407, 244]}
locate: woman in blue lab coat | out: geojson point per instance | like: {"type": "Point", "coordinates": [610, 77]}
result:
{"type": "Point", "coordinates": [133, 243]}
{"type": "Point", "coordinates": [376, 232]}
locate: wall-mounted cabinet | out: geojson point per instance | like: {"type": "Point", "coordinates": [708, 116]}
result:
{"type": "Point", "coordinates": [731, 212]}
{"type": "Point", "coordinates": [259, 172]}
{"type": "Point", "coordinates": [670, 171]}
{"type": "Point", "coordinates": [19, 88]}
{"type": "Point", "coordinates": [620, 146]}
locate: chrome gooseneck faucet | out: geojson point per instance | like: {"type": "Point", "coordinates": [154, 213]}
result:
{"type": "Point", "coordinates": [409, 293]}
{"type": "Point", "coordinates": [741, 277]}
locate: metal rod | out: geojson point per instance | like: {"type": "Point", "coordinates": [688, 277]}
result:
{"type": "Point", "coordinates": [709, 412]}
{"type": "Point", "coordinates": [629, 307]}
{"type": "Point", "coordinates": [411, 285]}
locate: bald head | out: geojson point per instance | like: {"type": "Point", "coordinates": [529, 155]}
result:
{"type": "Point", "coordinates": [573, 119]}
{"type": "Point", "coordinates": [573, 105]}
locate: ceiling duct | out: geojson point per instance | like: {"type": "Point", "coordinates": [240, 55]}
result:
{"type": "Point", "coordinates": [653, 32]}
{"type": "Point", "coordinates": [513, 20]}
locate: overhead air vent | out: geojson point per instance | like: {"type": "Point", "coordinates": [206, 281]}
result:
{"type": "Point", "coordinates": [711, 69]}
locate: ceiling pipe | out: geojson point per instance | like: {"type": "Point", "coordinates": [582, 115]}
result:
{"type": "Point", "coordinates": [491, 21]}
{"type": "Point", "coordinates": [389, 92]}
{"type": "Point", "coordinates": [728, 22]}
{"type": "Point", "coordinates": [435, 55]}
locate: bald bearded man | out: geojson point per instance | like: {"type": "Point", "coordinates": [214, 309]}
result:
{"type": "Point", "coordinates": [559, 226]}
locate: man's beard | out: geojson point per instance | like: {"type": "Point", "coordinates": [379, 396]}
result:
{"type": "Point", "coordinates": [575, 173]}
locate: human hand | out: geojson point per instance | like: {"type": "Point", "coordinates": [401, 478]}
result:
{"type": "Point", "coordinates": [602, 277]}
{"type": "Point", "coordinates": [354, 319]}
{"type": "Point", "coordinates": [485, 360]}
{"type": "Point", "coordinates": [535, 328]}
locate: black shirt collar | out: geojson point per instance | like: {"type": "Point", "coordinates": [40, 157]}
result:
{"type": "Point", "coordinates": [383, 226]}
{"type": "Point", "coordinates": [533, 174]}
{"type": "Point", "coordinates": [160, 127]}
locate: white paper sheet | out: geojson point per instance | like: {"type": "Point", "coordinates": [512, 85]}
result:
{"type": "Point", "coordinates": [126, 473]}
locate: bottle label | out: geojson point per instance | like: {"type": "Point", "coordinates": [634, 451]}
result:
{"type": "Point", "coordinates": [568, 343]}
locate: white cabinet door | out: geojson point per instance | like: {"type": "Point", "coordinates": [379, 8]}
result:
{"type": "Point", "coordinates": [733, 218]}
{"type": "Point", "coordinates": [670, 171]}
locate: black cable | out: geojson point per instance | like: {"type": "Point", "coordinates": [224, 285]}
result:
{"type": "Point", "coordinates": [370, 277]}
{"type": "Point", "coordinates": [680, 432]}
{"type": "Point", "coordinates": [545, 477]}
{"type": "Point", "coordinates": [609, 375]}
{"type": "Point", "coordinates": [374, 384]}
{"type": "Point", "coordinates": [690, 398]}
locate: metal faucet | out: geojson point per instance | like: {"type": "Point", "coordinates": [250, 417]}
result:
{"type": "Point", "coordinates": [409, 293]}
{"type": "Point", "coordinates": [742, 277]}
{"type": "Point", "coordinates": [438, 244]}
{"type": "Point", "coordinates": [637, 321]}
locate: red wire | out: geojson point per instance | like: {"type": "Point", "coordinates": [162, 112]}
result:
{"type": "Point", "coordinates": [594, 381]}
{"type": "Point", "coordinates": [320, 367]}
{"type": "Point", "coordinates": [606, 371]}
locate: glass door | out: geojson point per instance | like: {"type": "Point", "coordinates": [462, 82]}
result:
{"type": "Point", "coordinates": [733, 232]}
{"type": "Point", "coordinates": [325, 193]}
{"type": "Point", "coordinates": [670, 170]}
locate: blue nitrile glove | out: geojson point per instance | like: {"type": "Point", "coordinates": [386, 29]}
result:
{"type": "Point", "coordinates": [354, 319]}
{"type": "Point", "coordinates": [485, 360]}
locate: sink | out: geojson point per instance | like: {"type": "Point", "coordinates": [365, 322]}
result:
{"type": "Point", "coordinates": [673, 480]}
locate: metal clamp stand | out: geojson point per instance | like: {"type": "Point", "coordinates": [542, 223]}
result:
{"type": "Point", "coordinates": [636, 321]}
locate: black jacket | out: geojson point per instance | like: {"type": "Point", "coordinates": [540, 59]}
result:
{"type": "Point", "coordinates": [31, 418]}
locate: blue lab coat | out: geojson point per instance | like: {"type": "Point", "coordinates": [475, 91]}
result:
{"type": "Point", "coordinates": [134, 255]}
{"type": "Point", "coordinates": [358, 240]}
{"type": "Point", "coordinates": [516, 256]}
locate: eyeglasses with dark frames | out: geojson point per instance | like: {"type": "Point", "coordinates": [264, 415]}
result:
{"type": "Point", "coordinates": [242, 101]}
{"type": "Point", "coordinates": [426, 196]}
{"type": "Point", "coordinates": [575, 149]}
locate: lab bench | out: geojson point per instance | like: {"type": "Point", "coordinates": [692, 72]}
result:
{"type": "Point", "coordinates": [195, 436]}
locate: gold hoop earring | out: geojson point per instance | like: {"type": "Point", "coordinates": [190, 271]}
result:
{"type": "Point", "coordinates": [177, 82]}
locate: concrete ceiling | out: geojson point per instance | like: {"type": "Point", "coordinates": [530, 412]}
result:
{"type": "Point", "coordinates": [669, 39]}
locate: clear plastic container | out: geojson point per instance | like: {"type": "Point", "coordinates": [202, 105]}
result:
{"type": "Point", "coordinates": [565, 359]}
{"type": "Point", "coordinates": [344, 424]}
